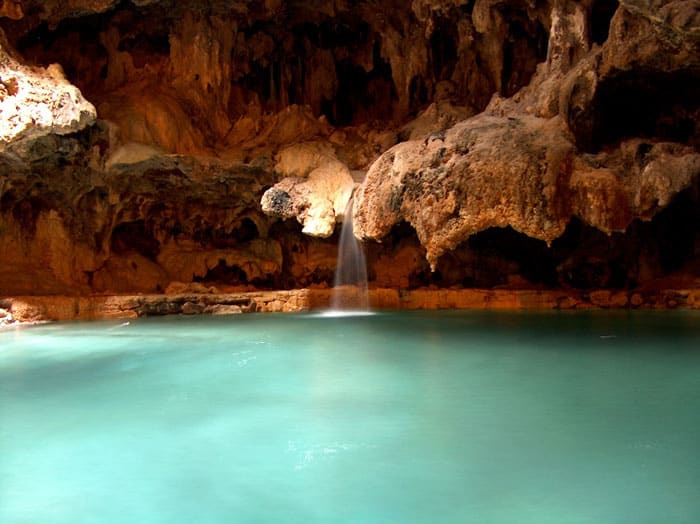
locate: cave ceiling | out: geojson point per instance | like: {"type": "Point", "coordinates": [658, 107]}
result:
{"type": "Point", "coordinates": [446, 118]}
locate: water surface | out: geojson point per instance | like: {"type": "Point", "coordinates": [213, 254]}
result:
{"type": "Point", "coordinates": [407, 417]}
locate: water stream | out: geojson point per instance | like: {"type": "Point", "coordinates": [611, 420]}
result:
{"type": "Point", "coordinates": [350, 284]}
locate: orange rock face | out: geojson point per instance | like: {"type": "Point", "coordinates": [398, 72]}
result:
{"type": "Point", "coordinates": [151, 145]}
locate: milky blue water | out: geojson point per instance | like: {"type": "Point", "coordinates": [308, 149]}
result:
{"type": "Point", "coordinates": [394, 418]}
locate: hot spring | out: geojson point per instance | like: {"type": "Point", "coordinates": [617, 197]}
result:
{"type": "Point", "coordinates": [452, 417]}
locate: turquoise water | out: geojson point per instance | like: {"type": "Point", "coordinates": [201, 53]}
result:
{"type": "Point", "coordinates": [393, 418]}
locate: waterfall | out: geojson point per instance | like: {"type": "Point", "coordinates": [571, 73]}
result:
{"type": "Point", "coordinates": [350, 283]}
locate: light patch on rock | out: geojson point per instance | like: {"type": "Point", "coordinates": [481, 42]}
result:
{"type": "Point", "coordinates": [316, 189]}
{"type": "Point", "coordinates": [132, 153]}
{"type": "Point", "coordinates": [37, 101]}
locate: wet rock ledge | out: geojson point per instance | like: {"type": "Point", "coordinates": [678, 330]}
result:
{"type": "Point", "coordinates": [32, 309]}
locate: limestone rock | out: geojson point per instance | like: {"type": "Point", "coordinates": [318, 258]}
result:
{"type": "Point", "coordinates": [35, 102]}
{"type": "Point", "coordinates": [485, 172]}
{"type": "Point", "coordinates": [540, 143]}
{"type": "Point", "coordinates": [316, 193]}
{"type": "Point", "coordinates": [6, 318]}
{"type": "Point", "coordinates": [11, 9]}
{"type": "Point", "coordinates": [224, 309]}
{"type": "Point", "coordinates": [135, 227]}
{"type": "Point", "coordinates": [436, 118]}
{"type": "Point", "coordinates": [636, 180]}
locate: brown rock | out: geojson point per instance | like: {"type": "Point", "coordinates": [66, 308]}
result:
{"type": "Point", "coordinates": [589, 125]}
{"type": "Point", "coordinates": [485, 172]}
{"type": "Point", "coordinates": [224, 310]}
{"type": "Point", "coordinates": [600, 298]}
{"type": "Point", "coordinates": [193, 308]}
{"type": "Point", "coordinates": [636, 299]}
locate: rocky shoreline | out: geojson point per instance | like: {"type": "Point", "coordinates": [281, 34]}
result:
{"type": "Point", "coordinates": [33, 309]}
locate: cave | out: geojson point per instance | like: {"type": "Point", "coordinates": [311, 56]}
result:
{"type": "Point", "coordinates": [178, 183]}
{"type": "Point", "coordinates": [524, 48]}
{"type": "Point", "coordinates": [176, 119]}
{"type": "Point", "coordinates": [223, 273]}
{"type": "Point", "coordinates": [130, 237]}
{"type": "Point", "coordinates": [602, 12]}
{"type": "Point", "coordinates": [223, 237]}
{"type": "Point", "coordinates": [670, 102]}
{"type": "Point", "coordinates": [531, 257]}
{"type": "Point", "coordinates": [361, 96]}
{"type": "Point", "coordinates": [443, 49]}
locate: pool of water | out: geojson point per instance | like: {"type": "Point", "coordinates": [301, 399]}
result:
{"type": "Point", "coordinates": [394, 418]}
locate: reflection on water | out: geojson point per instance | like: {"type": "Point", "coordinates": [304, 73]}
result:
{"type": "Point", "coordinates": [412, 417]}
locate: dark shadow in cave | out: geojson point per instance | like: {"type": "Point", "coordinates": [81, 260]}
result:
{"type": "Point", "coordinates": [361, 96]}
{"type": "Point", "coordinates": [602, 12]}
{"type": "Point", "coordinates": [129, 237]}
{"type": "Point", "coordinates": [531, 256]}
{"type": "Point", "coordinates": [443, 49]}
{"type": "Point", "coordinates": [525, 46]}
{"type": "Point", "coordinates": [641, 103]}
{"type": "Point", "coordinates": [221, 238]}
{"type": "Point", "coordinates": [75, 42]}
{"type": "Point", "coordinates": [674, 233]}
{"type": "Point", "coordinates": [587, 258]}
{"type": "Point", "coordinates": [224, 274]}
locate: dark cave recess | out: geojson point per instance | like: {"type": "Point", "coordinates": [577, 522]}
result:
{"type": "Point", "coordinates": [582, 258]}
{"type": "Point", "coordinates": [360, 85]}
{"type": "Point", "coordinates": [660, 105]}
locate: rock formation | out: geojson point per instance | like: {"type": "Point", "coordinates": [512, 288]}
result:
{"type": "Point", "coordinates": [152, 145]}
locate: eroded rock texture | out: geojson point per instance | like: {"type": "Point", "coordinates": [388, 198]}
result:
{"type": "Point", "coordinates": [151, 144]}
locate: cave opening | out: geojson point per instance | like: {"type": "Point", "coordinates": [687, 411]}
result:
{"type": "Point", "coordinates": [524, 48]}
{"type": "Point", "coordinates": [258, 81]}
{"type": "Point", "coordinates": [222, 237]}
{"type": "Point", "coordinates": [602, 12]}
{"type": "Point", "coordinates": [361, 96]}
{"type": "Point", "coordinates": [418, 94]}
{"type": "Point", "coordinates": [643, 103]}
{"type": "Point", "coordinates": [587, 258]}
{"type": "Point", "coordinates": [443, 50]}
{"type": "Point", "coordinates": [76, 43]}
{"type": "Point", "coordinates": [674, 233]}
{"type": "Point", "coordinates": [130, 237]}
{"type": "Point", "coordinates": [505, 248]}
{"type": "Point", "coordinates": [245, 231]}
{"type": "Point", "coordinates": [352, 85]}
{"type": "Point", "coordinates": [224, 274]}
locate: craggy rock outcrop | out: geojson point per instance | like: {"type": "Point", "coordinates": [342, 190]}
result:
{"type": "Point", "coordinates": [316, 190]}
{"type": "Point", "coordinates": [524, 163]}
{"type": "Point", "coordinates": [35, 102]}
{"type": "Point", "coordinates": [495, 144]}
{"type": "Point", "coordinates": [485, 172]}
{"type": "Point", "coordinates": [515, 172]}
{"type": "Point", "coordinates": [135, 226]}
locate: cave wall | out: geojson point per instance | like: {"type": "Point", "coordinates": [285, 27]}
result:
{"type": "Point", "coordinates": [152, 144]}
{"type": "Point", "coordinates": [198, 77]}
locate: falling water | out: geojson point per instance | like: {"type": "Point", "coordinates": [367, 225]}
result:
{"type": "Point", "coordinates": [350, 283]}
